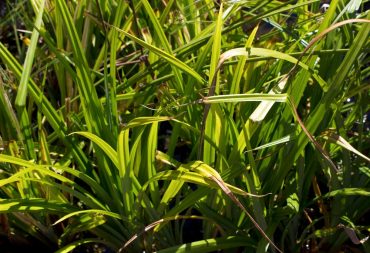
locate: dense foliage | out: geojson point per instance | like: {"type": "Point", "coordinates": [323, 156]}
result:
{"type": "Point", "coordinates": [185, 126]}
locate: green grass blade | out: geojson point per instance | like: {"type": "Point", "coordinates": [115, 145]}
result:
{"type": "Point", "coordinates": [211, 125]}
{"type": "Point", "coordinates": [348, 192]}
{"type": "Point", "coordinates": [239, 70]}
{"type": "Point", "coordinates": [27, 67]}
{"type": "Point", "coordinates": [168, 57]}
{"type": "Point", "coordinates": [34, 205]}
{"type": "Point", "coordinates": [70, 247]}
{"type": "Point", "coordinates": [108, 150]}
{"type": "Point", "coordinates": [237, 98]}
{"type": "Point", "coordinates": [20, 100]}
{"type": "Point", "coordinates": [123, 152]}
{"type": "Point", "coordinates": [90, 211]}
{"type": "Point", "coordinates": [140, 121]}
{"type": "Point", "coordinates": [164, 43]}
{"type": "Point", "coordinates": [210, 245]}
{"type": "Point", "coordinates": [92, 107]}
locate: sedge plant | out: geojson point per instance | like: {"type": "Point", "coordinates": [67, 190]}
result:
{"type": "Point", "coordinates": [133, 125]}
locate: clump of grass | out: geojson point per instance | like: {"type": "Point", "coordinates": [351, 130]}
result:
{"type": "Point", "coordinates": [125, 121]}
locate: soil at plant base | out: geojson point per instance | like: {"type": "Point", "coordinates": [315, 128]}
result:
{"type": "Point", "coordinates": [8, 246]}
